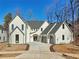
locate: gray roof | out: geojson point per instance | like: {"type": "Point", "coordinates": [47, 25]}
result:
{"type": "Point", "coordinates": [55, 28]}
{"type": "Point", "coordinates": [48, 28]}
{"type": "Point", "coordinates": [35, 24]}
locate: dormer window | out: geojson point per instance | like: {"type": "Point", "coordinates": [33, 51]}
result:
{"type": "Point", "coordinates": [41, 29]}
{"type": "Point", "coordinates": [22, 27]}
{"type": "Point", "coordinates": [63, 26]}
{"type": "Point", "coordinates": [12, 26]}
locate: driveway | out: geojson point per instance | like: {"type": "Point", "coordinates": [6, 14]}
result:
{"type": "Point", "coordinates": [39, 50]}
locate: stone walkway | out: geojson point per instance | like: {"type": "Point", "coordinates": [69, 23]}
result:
{"type": "Point", "coordinates": [39, 51]}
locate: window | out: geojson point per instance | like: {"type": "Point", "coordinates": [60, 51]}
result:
{"type": "Point", "coordinates": [78, 12]}
{"type": "Point", "coordinates": [41, 29]}
{"type": "Point", "coordinates": [44, 39]}
{"type": "Point", "coordinates": [62, 37]}
{"type": "Point", "coordinates": [63, 26]}
{"type": "Point", "coordinates": [35, 29]}
{"type": "Point", "coordinates": [2, 30]}
{"type": "Point", "coordinates": [22, 27]}
{"type": "Point", "coordinates": [17, 38]}
{"type": "Point", "coordinates": [4, 38]}
{"type": "Point", "coordinates": [78, 35]}
{"type": "Point", "coordinates": [0, 38]}
{"type": "Point", "coordinates": [12, 26]}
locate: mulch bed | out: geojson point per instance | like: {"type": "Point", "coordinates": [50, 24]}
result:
{"type": "Point", "coordinates": [65, 48]}
{"type": "Point", "coordinates": [14, 47]}
{"type": "Point", "coordinates": [9, 55]}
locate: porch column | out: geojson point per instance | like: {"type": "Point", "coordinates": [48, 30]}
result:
{"type": "Point", "coordinates": [31, 39]}
{"type": "Point", "coordinates": [40, 38]}
{"type": "Point", "coordinates": [48, 40]}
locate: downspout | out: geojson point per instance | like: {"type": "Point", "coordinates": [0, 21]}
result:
{"type": "Point", "coordinates": [54, 39]}
{"type": "Point", "coordinates": [25, 33]}
{"type": "Point", "coordinates": [23, 38]}
{"type": "Point", "coordinates": [48, 39]}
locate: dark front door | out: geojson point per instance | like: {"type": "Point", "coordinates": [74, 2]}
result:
{"type": "Point", "coordinates": [35, 38]}
{"type": "Point", "coordinates": [51, 40]}
{"type": "Point", "coordinates": [17, 38]}
{"type": "Point", "coordinates": [44, 39]}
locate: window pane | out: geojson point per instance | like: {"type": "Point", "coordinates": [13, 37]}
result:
{"type": "Point", "coordinates": [63, 26]}
{"type": "Point", "coordinates": [0, 38]}
{"type": "Point", "coordinates": [62, 37]}
{"type": "Point", "coordinates": [12, 26]}
{"type": "Point", "coordinates": [78, 11]}
{"type": "Point", "coordinates": [2, 30]}
{"type": "Point", "coordinates": [41, 29]}
{"type": "Point", "coordinates": [22, 27]}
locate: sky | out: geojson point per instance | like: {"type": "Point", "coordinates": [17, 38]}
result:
{"type": "Point", "coordinates": [37, 8]}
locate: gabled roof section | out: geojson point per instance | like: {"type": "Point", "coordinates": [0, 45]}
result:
{"type": "Point", "coordinates": [55, 28]}
{"type": "Point", "coordinates": [19, 17]}
{"type": "Point", "coordinates": [69, 26]}
{"type": "Point", "coordinates": [48, 28]}
{"type": "Point", "coordinates": [15, 29]}
{"type": "Point", "coordinates": [35, 24]}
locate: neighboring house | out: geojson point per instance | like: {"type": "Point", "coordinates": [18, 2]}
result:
{"type": "Point", "coordinates": [57, 33]}
{"type": "Point", "coordinates": [22, 32]}
{"type": "Point", "coordinates": [3, 35]}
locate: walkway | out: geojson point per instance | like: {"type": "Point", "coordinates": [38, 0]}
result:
{"type": "Point", "coordinates": [39, 51]}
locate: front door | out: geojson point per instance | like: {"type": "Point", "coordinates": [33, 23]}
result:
{"type": "Point", "coordinates": [44, 39]}
{"type": "Point", "coordinates": [17, 38]}
{"type": "Point", "coordinates": [35, 38]}
{"type": "Point", "coordinates": [51, 40]}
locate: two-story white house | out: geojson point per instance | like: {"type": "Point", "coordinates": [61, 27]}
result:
{"type": "Point", "coordinates": [3, 35]}
{"type": "Point", "coordinates": [22, 32]}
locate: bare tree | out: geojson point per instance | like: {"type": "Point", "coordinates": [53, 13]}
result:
{"type": "Point", "coordinates": [73, 20]}
{"type": "Point", "coordinates": [49, 13]}
{"type": "Point", "coordinates": [72, 10]}
{"type": "Point", "coordinates": [7, 20]}
{"type": "Point", "coordinates": [60, 14]}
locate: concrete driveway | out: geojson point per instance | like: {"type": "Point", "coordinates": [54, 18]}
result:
{"type": "Point", "coordinates": [39, 51]}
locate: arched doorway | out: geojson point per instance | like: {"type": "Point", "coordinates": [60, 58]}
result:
{"type": "Point", "coordinates": [51, 40]}
{"type": "Point", "coordinates": [17, 38]}
{"type": "Point", "coordinates": [35, 37]}
{"type": "Point", "coordinates": [44, 39]}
